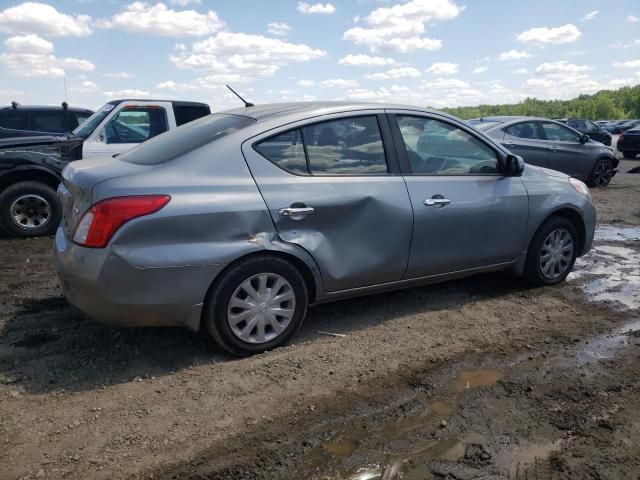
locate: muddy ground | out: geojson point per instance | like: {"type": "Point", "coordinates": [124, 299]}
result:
{"type": "Point", "coordinates": [479, 378]}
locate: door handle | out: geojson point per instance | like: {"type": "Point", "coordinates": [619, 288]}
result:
{"type": "Point", "coordinates": [295, 211]}
{"type": "Point", "coordinates": [437, 202]}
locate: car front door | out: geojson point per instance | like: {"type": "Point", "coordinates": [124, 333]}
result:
{"type": "Point", "coordinates": [525, 139]}
{"type": "Point", "coordinates": [467, 214]}
{"type": "Point", "coordinates": [338, 195]}
{"type": "Point", "coordinates": [568, 154]}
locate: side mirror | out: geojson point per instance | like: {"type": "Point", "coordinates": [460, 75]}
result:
{"type": "Point", "coordinates": [584, 138]}
{"type": "Point", "coordinates": [514, 165]}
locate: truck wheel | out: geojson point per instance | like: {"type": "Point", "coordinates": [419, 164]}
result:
{"type": "Point", "coordinates": [29, 209]}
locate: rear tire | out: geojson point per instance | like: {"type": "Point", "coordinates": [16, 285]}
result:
{"type": "Point", "coordinates": [601, 174]}
{"type": "Point", "coordinates": [629, 155]}
{"type": "Point", "coordinates": [549, 249]}
{"type": "Point", "coordinates": [29, 209]}
{"type": "Point", "coordinates": [245, 317]}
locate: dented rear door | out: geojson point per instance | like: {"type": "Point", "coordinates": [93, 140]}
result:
{"type": "Point", "coordinates": [355, 222]}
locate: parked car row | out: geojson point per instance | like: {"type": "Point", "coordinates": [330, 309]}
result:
{"type": "Point", "coordinates": [31, 166]}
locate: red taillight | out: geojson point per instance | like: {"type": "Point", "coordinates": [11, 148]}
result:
{"type": "Point", "coordinates": [103, 219]}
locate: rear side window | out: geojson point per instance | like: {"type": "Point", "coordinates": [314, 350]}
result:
{"type": "Point", "coordinates": [286, 151]}
{"type": "Point", "coordinates": [48, 121]}
{"type": "Point", "coordinates": [524, 130]}
{"type": "Point", "coordinates": [13, 119]}
{"type": "Point", "coordinates": [183, 140]}
{"type": "Point", "coordinates": [189, 113]}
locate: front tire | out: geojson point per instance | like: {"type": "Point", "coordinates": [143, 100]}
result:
{"type": "Point", "coordinates": [29, 209]}
{"type": "Point", "coordinates": [552, 252]}
{"type": "Point", "coordinates": [256, 305]}
{"type": "Point", "coordinates": [601, 174]}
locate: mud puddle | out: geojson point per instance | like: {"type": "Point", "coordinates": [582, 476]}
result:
{"type": "Point", "coordinates": [412, 440]}
{"type": "Point", "coordinates": [610, 272]}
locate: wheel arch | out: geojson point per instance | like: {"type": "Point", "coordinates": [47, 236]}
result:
{"type": "Point", "coordinates": [576, 220]}
{"type": "Point", "coordinates": [30, 174]}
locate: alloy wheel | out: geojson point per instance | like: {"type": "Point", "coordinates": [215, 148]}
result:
{"type": "Point", "coordinates": [261, 308]}
{"type": "Point", "coordinates": [556, 253]}
{"type": "Point", "coordinates": [602, 174]}
{"type": "Point", "coordinates": [30, 211]}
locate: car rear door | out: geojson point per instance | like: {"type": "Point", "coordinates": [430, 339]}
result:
{"type": "Point", "coordinates": [338, 195]}
{"type": "Point", "coordinates": [526, 140]}
{"type": "Point", "coordinates": [568, 154]}
{"type": "Point", "coordinates": [467, 215]}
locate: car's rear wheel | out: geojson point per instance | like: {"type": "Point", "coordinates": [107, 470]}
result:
{"type": "Point", "coordinates": [552, 252]}
{"type": "Point", "coordinates": [601, 174]}
{"type": "Point", "coordinates": [628, 154]}
{"type": "Point", "coordinates": [29, 209]}
{"type": "Point", "coordinates": [256, 305]}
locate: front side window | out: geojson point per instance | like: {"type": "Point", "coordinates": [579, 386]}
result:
{"type": "Point", "coordinates": [349, 146]}
{"type": "Point", "coordinates": [435, 147]}
{"type": "Point", "coordinates": [559, 133]}
{"type": "Point", "coordinates": [136, 125]}
{"type": "Point", "coordinates": [286, 151]}
{"type": "Point", "coordinates": [13, 120]}
{"type": "Point", "coordinates": [528, 130]}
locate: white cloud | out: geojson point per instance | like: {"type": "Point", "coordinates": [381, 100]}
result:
{"type": "Point", "coordinates": [42, 19]}
{"type": "Point", "coordinates": [32, 56]}
{"type": "Point", "coordinates": [85, 87]}
{"type": "Point", "coordinates": [394, 73]}
{"type": "Point", "coordinates": [120, 75]}
{"type": "Point", "coordinates": [561, 66]}
{"type": "Point", "coordinates": [278, 28]}
{"type": "Point", "coordinates": [246, 56]}
{"type": "Point", "coordinates": [158, 19]}
{"type": "Point", "coordinates": [362, 60]}
{"type": "Point", "coordinates": [316, 8]}
{"type": "Point", "coordinates": [520, 71]}
{"type": "Point", "coordinates": [622, 82]}
{"type": "Point", "coordinates": [443, 68]}
{"type": "Point", "coordinates": [184, 3]}
{"type": "Point", "coordinates": [401, 27]}
{"type": "Point", "coordinates": [29, 44]}
{"type": "Point", "coordinates": [305, 83]}
{"type": "Point", "coordinates": [338, 83]}
{"type": "Point", "coordinates": [480, 70]}
{"type": "Point", "coordinates": [127, 93]}
{"type": "Point", "coordinates": [590, 16]}
{"type": "Point", "coordinates": [513, 55]}
{"type": "Point", "coordinates": [633, 19]}
{"type": "Point", "coordinates": [629, 64]}
{"type": "Point", "coordinates": [543, 35]}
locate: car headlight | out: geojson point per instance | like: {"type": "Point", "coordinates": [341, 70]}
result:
{"type": "Point", "coordinates": [580, 187]}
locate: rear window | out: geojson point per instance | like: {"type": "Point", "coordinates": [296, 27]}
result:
{"type": "Point", "coordinates": [194, 135]}
{"type": "Point", "coordinates": [189, 113]}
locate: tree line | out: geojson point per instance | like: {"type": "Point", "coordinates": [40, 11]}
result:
{"type": "Point", "coordinates": [604, 105]}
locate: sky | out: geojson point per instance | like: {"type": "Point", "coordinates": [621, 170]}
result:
{"type": "Point", "coordinates": [438, 53]}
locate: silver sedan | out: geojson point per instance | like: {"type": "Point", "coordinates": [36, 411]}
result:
{"type": "Point", "coordinates": [235, 223]}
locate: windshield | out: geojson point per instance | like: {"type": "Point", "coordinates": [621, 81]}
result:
{"type": "Point", "coordinates": [90, 124]}
{"type": "Point", "coordinates": [482, 125]}
{"type": "Point", "coordinates": [186, 138]}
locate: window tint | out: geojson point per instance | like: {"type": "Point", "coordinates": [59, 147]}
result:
{"type": "Point", "coordinates": [350, 146]}
{"type": "Point", "coordinates": [438, 148]}
{"type": "Point", "coordinates": [556, 132]}
{"type": "Point", "coordinates": [577, 124]}
{"type": "Point", "coordinates": [13, 120]}
{"type": "Point", "coordinates": [524, 130]}
{"type": "Point", "coordinates": [52, 121]}
{"type": "Point", "coordinates": [590, 126]}
{"type": "Point", "coordinates": [80, 118]}
{"type": "Point", "coordinates": [188, 113]}
{"type": "Point", "coordinates": [286, 151]}
{"type": "Point", "coordinates": [136, 125]}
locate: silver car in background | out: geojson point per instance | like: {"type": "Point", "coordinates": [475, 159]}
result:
{"type": "Point", "coordinates": [235, 223]}
{"type": "Point", "coordinates": [551, 144]}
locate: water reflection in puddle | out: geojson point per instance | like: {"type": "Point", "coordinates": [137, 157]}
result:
{"type": "Point", "coordinates": [611, 273]}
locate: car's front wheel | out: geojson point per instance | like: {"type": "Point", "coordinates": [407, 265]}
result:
{"type": "Point", "coordinates": [552, 252]}
{"type": "Point", "coordinates": [29, 209]}
{"type": "Point", "coordinates": [601, 174]}
{"type": "Point", "coordinates": [256, 305]}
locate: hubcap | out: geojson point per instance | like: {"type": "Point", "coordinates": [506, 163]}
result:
{"type": "Point", "coordinates": [30, 211]}
{"type": "Point", "coordinates": [556, 253]}
{"type": "Point", "coordinates": [261, 308]}
{"type": "Point", "coordinates": [602, 175]}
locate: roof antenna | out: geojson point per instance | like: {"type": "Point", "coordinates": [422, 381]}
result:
{"type": "Point", "coordinates": [246, 104]}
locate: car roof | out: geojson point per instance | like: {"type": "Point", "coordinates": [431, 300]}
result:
{"type": "Point", "coordinates": [174, 102]}
{"type": "Point", "coordinates": [310, 109]}
{"type": "Point", "coordinates": [45, 107]}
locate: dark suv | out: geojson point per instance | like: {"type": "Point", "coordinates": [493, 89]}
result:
{"type": "Point", "coordinates": [29, 121]}
{"type": "Point", "coordinates": [587, 127]}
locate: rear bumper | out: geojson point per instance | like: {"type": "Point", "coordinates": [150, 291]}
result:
{"type": "Point", "coordinates": [107, 288]}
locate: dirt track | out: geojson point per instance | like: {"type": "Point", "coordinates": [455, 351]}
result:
{"type": "Point", "coordinates": [480, 378]}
